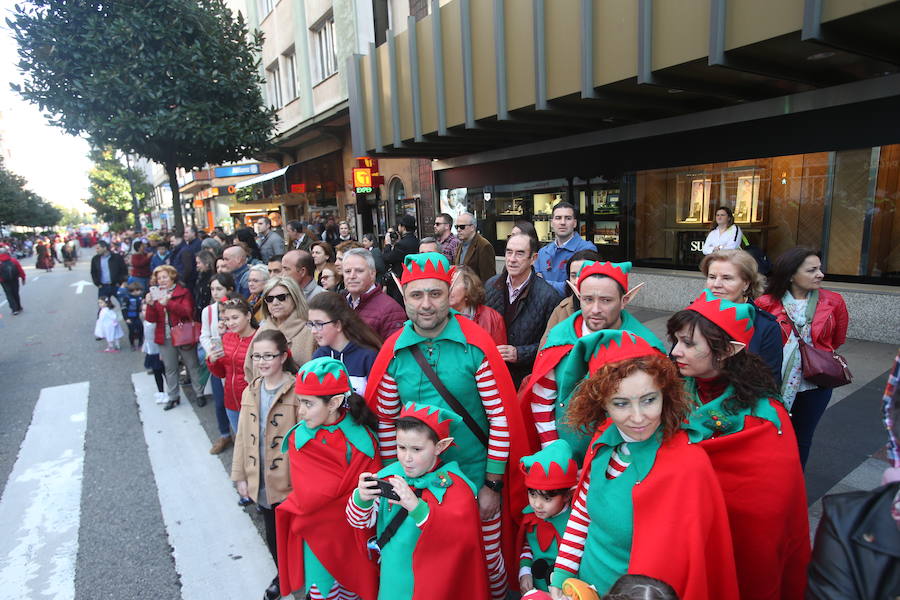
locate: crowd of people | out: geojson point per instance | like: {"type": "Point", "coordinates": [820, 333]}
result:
{"type": "Point", "coordinates": [413, 424]}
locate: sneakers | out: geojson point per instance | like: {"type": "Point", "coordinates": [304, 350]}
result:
{"type": "Point", "coordinates": [161, 397]}
{"type": "Point", "coordinates": [221, 444]}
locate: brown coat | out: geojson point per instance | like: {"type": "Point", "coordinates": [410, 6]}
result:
{"type": "Point", "coordinates": [480, 257]}
{"type": "Point", "coordinates": [563, 311]}
{"type": "Point", "coordinates": [299, 338]}
{"type": "Point", "coordinates": [245, 464]}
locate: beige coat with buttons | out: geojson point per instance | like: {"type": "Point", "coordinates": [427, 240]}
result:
{"type": "Point", "coordinates": [246, 462]}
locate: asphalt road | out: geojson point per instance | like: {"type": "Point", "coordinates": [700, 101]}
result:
{"type": "Point", "coordinates": [123, 551]}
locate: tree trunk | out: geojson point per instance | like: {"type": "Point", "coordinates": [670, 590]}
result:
{"type": "Point", "coordinates": [176, 196]}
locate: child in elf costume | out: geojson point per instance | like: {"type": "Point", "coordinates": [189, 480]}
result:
{"type": "Point", "coordinates": [332, 443]}
{"type": "Point", "coordinates": [550, 476]}
{"type": "Point", "coordinates": [420, 515]}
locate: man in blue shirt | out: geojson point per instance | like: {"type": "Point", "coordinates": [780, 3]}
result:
{"type": "Point", "coordinates": [108, 271]}
{"type": "Point", "coordinates": [552, 258]}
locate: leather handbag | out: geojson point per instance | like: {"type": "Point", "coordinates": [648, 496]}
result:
{"type": "Point", "coordinates": [186, 333]}
{"type": "Point", "coordinates": [825, 368]}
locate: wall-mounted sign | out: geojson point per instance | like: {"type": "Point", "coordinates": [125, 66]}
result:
{"type": "Point", "coordinates": [298, 188]}
{"type": "Point", "coordinates": [214, 191]}
{"type": "Point", "coordinates": [237, 170]}
{"type": "Point", "coordinates": [362, 180]}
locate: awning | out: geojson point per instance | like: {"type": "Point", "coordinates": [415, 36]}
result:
{"type": "Point", "coordinates": [262, 178]}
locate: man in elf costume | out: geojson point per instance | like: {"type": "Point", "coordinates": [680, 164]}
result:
{"type": "Point", "coordinates": [317, 549]}
{"type": "Point", "coordinates": [550, 476]}
{"type": "Point", "coordinates": [602, 289]}
{"type": "Point", "coordinates": [440, 358]}
{"type": "Point", "coordinates": [428, 535]}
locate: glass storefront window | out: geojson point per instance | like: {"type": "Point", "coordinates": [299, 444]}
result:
{"type": "Point", "coordinates": [843, 203]}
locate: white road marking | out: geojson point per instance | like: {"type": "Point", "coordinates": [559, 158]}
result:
{"type": "Point", "coordinates": [80, 285]}
{"type": "Point", "coordinates": [41, 505]}
{"type": "Point", "coordinates": [217, 549]}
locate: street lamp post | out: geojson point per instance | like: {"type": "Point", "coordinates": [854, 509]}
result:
{"type": "Point", "coordinates": [136, 209]}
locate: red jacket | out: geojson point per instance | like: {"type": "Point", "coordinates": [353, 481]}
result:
{"type": "Point", "coordinates": [829, 326]}
{"type": "Point", "coordinates": [230, 368]}
{"type": "Point", "coordinates": [492, 322]}
{"type": "Point", "coordinates": [380, 312]}
{"type": "Point", "coordinates": [179, 309]}
{"type": "Point", "coordinates": [140, 264]}
{"type": "Point", "coordinates": [6, 257]}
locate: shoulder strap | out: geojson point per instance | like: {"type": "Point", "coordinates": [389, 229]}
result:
{"type": "Point", "coordinates": [395, 524]}
{"type": "Point", "coordinates": [447, 396]}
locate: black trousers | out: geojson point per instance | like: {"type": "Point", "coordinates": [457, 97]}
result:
{"type": "Point", "coordinates": [11, 289]}
{"type": "Point", "coordinates": [271, 541]}
{"type": "Point", "coordinates": [136, 331]}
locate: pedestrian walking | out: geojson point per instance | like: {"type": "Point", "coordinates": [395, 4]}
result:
{"type": "Point", "coordinates": [44, 251]}
{"type": "Point", "coordinates": [152, 361]}
{"type": "Point", "coordinates": [108, 271]}
{"type": "Point", "coordinates": [11, 272]}
{"type": "Point", "coordinates": [131, 311]}
{"type": "Point", "coordinates": [794, 295]}
{"type": "Point", "coordinates": [107, 326]}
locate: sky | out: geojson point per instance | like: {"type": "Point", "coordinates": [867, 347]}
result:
{"type": "Point", "coordinates": [54, 163]}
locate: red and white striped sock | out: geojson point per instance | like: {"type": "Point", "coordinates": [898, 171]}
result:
{"type": "Point", "coordinates": [490, 535]}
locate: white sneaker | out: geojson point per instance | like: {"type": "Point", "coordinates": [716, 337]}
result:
{"type": "Point", "coordinates": [161, 397]}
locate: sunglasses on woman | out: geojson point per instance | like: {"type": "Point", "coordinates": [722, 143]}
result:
{"type": "Point", "coordinates": [274, 297]}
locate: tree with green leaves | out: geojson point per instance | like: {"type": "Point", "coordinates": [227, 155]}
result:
{"type": "Point", "coordinates": [110, 188]}
{"type": "Point", "coordinates": [21, 206]}
{"type": "Point", "coordinates": [175, 81]}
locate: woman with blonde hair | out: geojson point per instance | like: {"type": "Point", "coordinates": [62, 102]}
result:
{"type": "Point", "coordinates": [734, 276]}
{"type": "Point", "coordinates": [284, 308]}
{"type": "Point", "coordinates": [257, 275]}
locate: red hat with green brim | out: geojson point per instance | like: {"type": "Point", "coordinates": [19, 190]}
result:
{"type": "Point", "coordinates": [735, 319]}
{"type": "Point", "coordinates": [616, 271]}
{"type": "Point", "coordinates": [615, 345]}
{"type": "Point", "coordinates": [427, 265]}
{"type": "Point", "coordinates": [553, 468]}
{"type": "Point", "coordinates": [323, 376]}
{"type": "Point", "coordinates": [439, 420]}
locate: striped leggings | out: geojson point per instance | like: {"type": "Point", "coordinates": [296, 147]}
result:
{"type": "Point", "coordinates": [490, 535]}
{"type": "Point", "coordinates": [336, 593]}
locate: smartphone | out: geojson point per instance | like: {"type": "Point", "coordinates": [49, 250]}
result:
{"type": "Point", "coordinates": [385, 488]}
{"type": "Point", "coordinates": [156, 293]}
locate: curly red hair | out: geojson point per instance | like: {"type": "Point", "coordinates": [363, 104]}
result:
{"type": "Point", "coordinates": [588, 407]}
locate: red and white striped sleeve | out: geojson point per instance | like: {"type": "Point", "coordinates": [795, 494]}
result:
{"type": "Point", "coordinates": [498, 434]}
{"type": "Point", "coordinates": [525, 558]}
{"type": "Point", "coordinates": [543, 403]}
{"type": "Point", "coordinates": [571, 549]}
{"type": "Point", "coordinates": [361, 517]}
{"type": "Point", "coordinates": [388, 408]}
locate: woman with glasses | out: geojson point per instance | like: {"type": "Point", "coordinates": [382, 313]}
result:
{"type": "Point", "coordinates": [285, 309]}
{"type": "Point", "coordinates": [330, 278]}
{"type": "Point", "coordinates": [342, 334]}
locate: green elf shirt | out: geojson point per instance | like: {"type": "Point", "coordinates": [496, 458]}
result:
{"type": "Point", "coordinates": [714, 420]}
{"type": "Point", "coordinates": [456, 362]}
{"type": "Point", "coordinates": [543, 537]}
{"type": "Point", "coordinates": [607, 550]}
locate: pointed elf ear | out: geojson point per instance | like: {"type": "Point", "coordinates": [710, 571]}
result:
{"type": "Point", "coordinates": [335, 402]}
{"type": "Point", "coordinates": [574, 289]}
{"type": "Point", "coordinates": [630, 294]}
{"type": "Point", "coordinates": [443, 444]}
{"type": "Point", "coordinates": [736, 347]}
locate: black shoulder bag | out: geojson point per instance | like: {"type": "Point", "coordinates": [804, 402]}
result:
{"type": "Point", "coordinates": [447, 396]}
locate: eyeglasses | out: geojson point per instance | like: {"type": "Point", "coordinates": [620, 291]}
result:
{"type": "Point", "coordinates": [318, 325]}
{"type": "Point", "coordinates": [265, 357]}
{"type": "Point", "coordinates": [463, 225]}
{"type": "Point", "coordinates": [436, 223]}
{"type": "Point", "coordinates": [279, 297]}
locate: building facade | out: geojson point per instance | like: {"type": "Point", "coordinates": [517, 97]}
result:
{"type": "Point", "coordinates": [649, 115]}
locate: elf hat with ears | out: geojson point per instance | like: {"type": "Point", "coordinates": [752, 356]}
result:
{"type": "Point", "coordinates": [323, 376]}
{"type": "Point", "coordinates": [439, 420]}
{"type": "Point", "coordinates": [553, 468]}
{"type": "Point", "coordinates": [427, 265]}
{"type": "Point", "coordinates": [618, 272]}
{"type": "Point", "coordinates": [735, 319]}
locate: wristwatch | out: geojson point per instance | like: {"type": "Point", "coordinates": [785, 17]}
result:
{"type": "Point", "coordinates": [495, 486]}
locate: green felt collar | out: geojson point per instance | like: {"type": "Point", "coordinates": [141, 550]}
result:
{"type": "Point", "coordinates": [357, 435]}
{"type": "Point", "coordinates": [711, 419]}
{"type": "Point", "coordinates": [436, 481]}
{"type": "Point", "coordinates": [453, 332]}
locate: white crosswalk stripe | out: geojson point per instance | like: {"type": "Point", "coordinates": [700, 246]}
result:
{"type": "Point", "coordinates": [41, 504]}
{"type": "Point", "coordinates": [218, 551]}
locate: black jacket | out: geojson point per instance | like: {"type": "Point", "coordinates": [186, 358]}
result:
{"type": "Point", "coordinates": [524, 329]}
{"type": "Point", "coordinates": [118, 272]}
{"type": "Point", "coordinates": [766, 343]}
{"type": "Point", "coordinates": [857, 550]}
{"type": "Point", "coordinates": [183, 260]}
{"type": "Point", "coordinates": [393, 255]}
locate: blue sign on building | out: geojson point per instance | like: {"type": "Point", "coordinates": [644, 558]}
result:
{"type": "Point", "coordinates": [237, 170]}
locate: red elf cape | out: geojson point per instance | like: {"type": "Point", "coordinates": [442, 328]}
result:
{"type": "Point", "coordinates": [681, 533]}
{"type": "Point", "coordinates": [314, 513]}
{"type": "Point", "coordinates": [760, 474]}
{"type": "Point", "coordinates": [522, 441]}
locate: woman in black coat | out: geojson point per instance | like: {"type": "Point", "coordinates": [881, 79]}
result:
{"type": "Point", "coordinates": [733, 275]}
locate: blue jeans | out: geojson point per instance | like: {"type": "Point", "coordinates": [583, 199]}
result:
{"type": "Point", "coordinates": [808, 408]}
{"type": "Point", "coordinates": [218, 394]}
{"type": "Point", "coordinates": [233, 418]}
